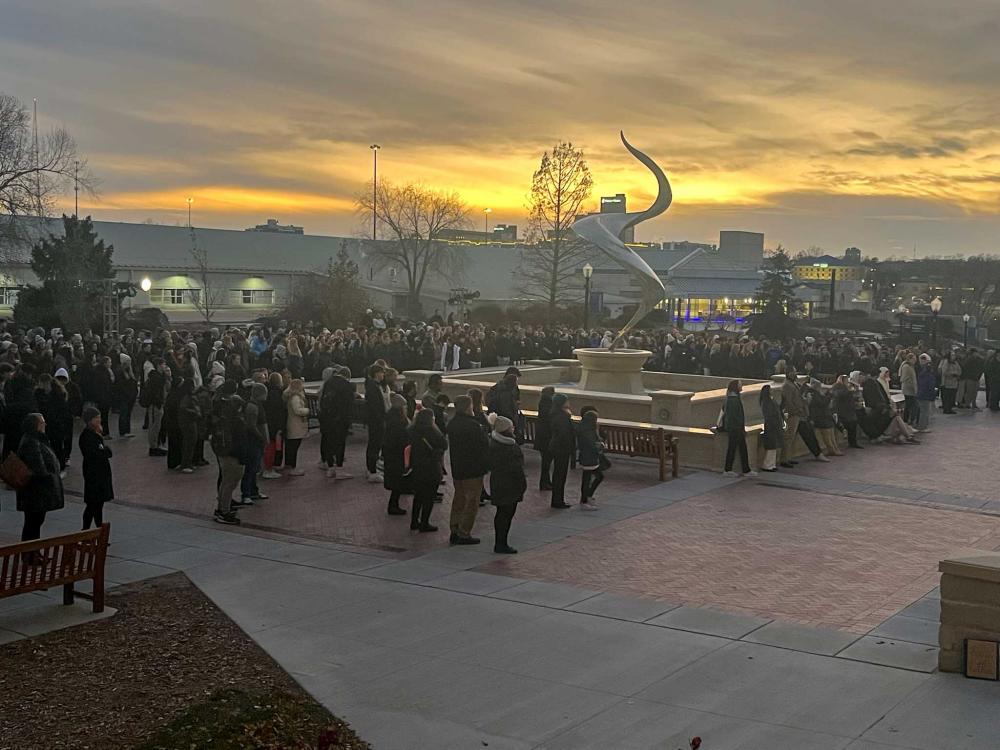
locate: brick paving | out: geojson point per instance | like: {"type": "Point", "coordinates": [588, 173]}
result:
{"type": "Point", "coordinates": [814, 559]}
{"type": "Point", "coordinates": [348, 511]}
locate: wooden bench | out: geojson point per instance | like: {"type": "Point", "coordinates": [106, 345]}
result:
{"type": "Point", "coordinates": [633, 439]}
{"type": "Point", "coordinates": [64, 561]}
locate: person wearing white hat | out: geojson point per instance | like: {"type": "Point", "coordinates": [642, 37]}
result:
{"type": "Point", "coordinates": [508, 482]}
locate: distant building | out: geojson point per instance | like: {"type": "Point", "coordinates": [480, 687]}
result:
{"type": "Point", "coordinates": [823, 267]}
{"type": "Point", "coordinates": [273, 226]}
{"type": "Point", "coordinates": [817, 276]}
{"type": "Point", "coordinates": [689, 246]}
{"type": "Point", "coordinates": [499, 233]}
{"type": "Point", "coordinates": [744, 247]}
{"type": "Point", "coordinates": [615, 204]}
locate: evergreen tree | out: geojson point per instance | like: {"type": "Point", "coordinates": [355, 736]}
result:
{"type": "Point", "coordinates": [73, 270]}
{"type": "Point", "coordinates": [775, 302]}
{"type": "Point", "coordinates": [335, 299]}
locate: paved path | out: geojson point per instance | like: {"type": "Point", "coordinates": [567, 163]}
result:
{"type": "Point", "coordinates": [597, 635]}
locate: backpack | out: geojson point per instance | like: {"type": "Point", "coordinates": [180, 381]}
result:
{"type": "Point", "coordinates": [228, 428]}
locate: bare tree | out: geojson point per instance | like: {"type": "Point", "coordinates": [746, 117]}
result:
{"type": "Point", "coordinates": [31, 178]}
{"type": "Point", "coordinates": [413, 220]}
{"type": "Point", "coordinates": [559, 188]}
{"type": "Point", "coordinates": [210, 297]}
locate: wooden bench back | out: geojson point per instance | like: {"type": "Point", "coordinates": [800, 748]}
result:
{"type": "Point", "coordinates": [64, 559]}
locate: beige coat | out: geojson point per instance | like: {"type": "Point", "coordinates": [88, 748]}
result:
{"type": "Point", "coordinates": [297, 425]}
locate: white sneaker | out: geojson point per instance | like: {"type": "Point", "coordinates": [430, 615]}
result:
{"type": "Point", "coordinates": [751, 474]}
{"type": "Point", "coordinates": [296, 472]}
{"type": "Point", "coordinates": [375, 478]}
{"type": "Point", "coordinates": [322, 465]}
{"type": "Point", "coordinates": [821, 458]}
{"type": "Point", "coordinates": [331, 473]}
{"type": "Point", "coordinates": [589, 505]}
{"type": "Point", "coordinates": [270, 474]}
{"type": "Point", "coordinates": [343, 475]}
{"type": "Point", "coordinates": [730, 474]}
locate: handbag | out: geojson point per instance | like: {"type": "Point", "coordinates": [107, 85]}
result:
{"type": "Point", "coordinates": [15, 472]}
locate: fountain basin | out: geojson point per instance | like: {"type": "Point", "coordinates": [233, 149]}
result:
{"type": "Point", "coordinates": [618, 371]}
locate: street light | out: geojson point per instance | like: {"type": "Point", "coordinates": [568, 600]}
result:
{"type": "Point", "coordinates": [965, 331]}
{"type": "Point", "coordinates": [486, 214]}
{"type": "Point", "coordinates": [902, 312]}
{"type": "Point", "coordinates": [374, 148]}
{"type": "Point", "coordinates": [145, 284]}
{"type": "Point", "coordinates": [588, 271]}
{"type": "Point", "coordinates": [190, 200]}
{"type": "Point", "coordinates": [935, 309]}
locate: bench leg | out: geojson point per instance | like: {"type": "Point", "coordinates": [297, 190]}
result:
{"type": "Point", "coordinates": [67, 593]}
{"type": "Point", "coordinates": [98, 594]}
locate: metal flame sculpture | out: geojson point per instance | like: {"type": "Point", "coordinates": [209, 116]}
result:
{"type": "Point", "coordinates": [604, 232]}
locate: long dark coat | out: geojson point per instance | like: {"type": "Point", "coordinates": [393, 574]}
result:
{"type": "Point", "coordinates": [44, 491]}
{"type": "Point", "coordinates": [772, 436]}
{"type": "Point", "coordinates": [508, 482]}
{"type": "Point", "coordinates": [397, 437]}
{"type": "Point", "coordinates": [97, 485]}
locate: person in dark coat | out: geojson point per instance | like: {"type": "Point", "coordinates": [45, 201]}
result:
{"type": "Point", "coordinates": [591, 456]}
{"type": "Point", "coordinates": [561, 447]}
{"type": "Point", "coordinates": [774, 428]}
{"type": "Point", "coordinates": [172, 425]}
{"type": "Point", "coordinates": [59, 420]}
{"type": "Point", "coordinates": [335, 403]}
{"type": "Point", "coordinates": [97, 485]}
{"type": "Point", "coordinates": [102, 391]}
{"type": "Point", "coordinates": [508, 482]}
{"type": "Point", "coordinates": [397, 437]}
{"type": "Point", "coordinates": [468, 454]}
{"type": "Point", "coordinates": [734, 423]}
{"type": "Point", "coordinates": [188, 418]}
{"type": "Point", "coordinates": [844, 406]}
{"type": "Point", "coordinates": [427, 447]}
{"type": "Point", "coordinates": [543, 434]}
{"type": "Point", "coordinates": [44, 491]}
{"type": "Point", "coordinates": [277, 419]}
{"type": "Point", "coordinates": [376, 405]}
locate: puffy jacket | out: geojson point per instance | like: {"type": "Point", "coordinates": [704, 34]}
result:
{"type": "Point", "coordinates": [588, 443]}
{"type": "Point", "coordinates": [469, 447]}
{"type": "Point", "coordinates": [908, 379]}
{"type": "Point", "coordinates": [950, 373]}
{"type": "Point", "coordinates": [508, 482]}
{"type": "Point", "coordinates": [563, 439]}
{"type": "Point", "coordinates": [44, 491]}
{"type": "Point", "coordinates": [926, 383]}
{"type": "Point", "coordinates": [427, 448]}
{"type": "Point", "coordinates": [297, 424]}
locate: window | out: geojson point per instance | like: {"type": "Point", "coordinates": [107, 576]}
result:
{"type": "Point", "coordinates": [8, 295]}
{"type": "Point", "coordinates": [252, 296]}
{"type": "Point", "coordinates": [174, 296]}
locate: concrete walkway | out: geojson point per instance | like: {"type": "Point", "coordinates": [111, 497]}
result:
{"type": "Point", "coordinates": [427, 653]}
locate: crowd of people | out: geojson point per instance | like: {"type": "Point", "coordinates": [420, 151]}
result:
{"type": "Point", "coordinates": [242, 392]}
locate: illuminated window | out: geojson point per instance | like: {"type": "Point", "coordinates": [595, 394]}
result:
{"type": "Point", "coordinates": [174, 296]}
{"type": "Point", "coordinates": [8, 295]}
{"type": "Point", "coordinates": [252, 296]}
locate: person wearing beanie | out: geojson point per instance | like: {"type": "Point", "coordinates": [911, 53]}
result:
{"type": "Point", "coordinates": [561, 447]}
{"type": "Point", "coordinates": [126, 389]}
{"type": "Point", "coordinates": [97, 484]}
{"type": "Point", "coordinates": [508, 482]}
{"type": "Point", "coordinates": [469, 451]}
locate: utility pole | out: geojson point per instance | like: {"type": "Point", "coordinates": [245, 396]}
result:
{"type": "Point", "coordinates": [374, 147]}
{"type": "Point", "coordinates": [833, 289]}
{"type": "Point", "coordinates": [76, 190]}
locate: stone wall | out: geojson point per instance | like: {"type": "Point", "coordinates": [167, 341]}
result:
{"type": "Point", "coordinates": [970, 605]}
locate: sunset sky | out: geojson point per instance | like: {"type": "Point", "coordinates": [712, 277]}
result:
{"type": "Point", "coordinates": [874, 124]}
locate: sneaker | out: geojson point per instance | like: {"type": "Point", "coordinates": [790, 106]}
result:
{"type": "Point", "coordinates": [62, 474]}
{"type": "Point", "coordinates": [259, 496]}
{"type": "Point", "coordinates": [230, 518]}
{"type": "Point", "coordinates": [296, 473]}
{"type": "Point", "coordinates": [322, 465]}
{"type": "Point", "coordinates": [730, 474]}
{"type": "Point", "coordinates": [821, 458]}
{"type": "Point", "coordinates": [507, 550]}
{"type": "Point", "coordinates": [590, 505]}
{"type": "Point", "coordinates": [270, 474]}
{"type": "Point", "coordinates": [786, 465]}
{"type": "Point", "coordinates": [769, 471]}
{"type": "Point", "coordinates": [750, 474]}
{"type": "Point", "coordinates": [243, 501]}
{"type": "Point", "coordinates": [343, 475]}
{"type": "Point", "coordinates": [375, 478]}
{"type": "Point", "coordinates": [187, 470]}
{"type": "Point", "coordinates": [157, 452]}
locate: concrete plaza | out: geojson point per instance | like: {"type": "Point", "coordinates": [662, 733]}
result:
{"type": "Point", "coordinates": [798, 610]}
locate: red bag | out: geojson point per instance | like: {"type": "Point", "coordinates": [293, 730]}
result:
{"type": "Point", "coordinates": [15, 472]}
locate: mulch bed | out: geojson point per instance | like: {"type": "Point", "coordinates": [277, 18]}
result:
{"type": "Point", "coordinates": [168, 671]}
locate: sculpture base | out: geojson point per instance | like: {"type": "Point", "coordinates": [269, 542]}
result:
{"type": "Point", "coordinates": [617, 371]}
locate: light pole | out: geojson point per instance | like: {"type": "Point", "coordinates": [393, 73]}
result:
{"type": "Point", "coordinates": [935, 309]}
{"type": "Point", "coordinates": [374, 148]}
{"type": "Point", "coordinates": [190, 200]}
{"type": "Point", "coordinates": [588, 271]}
{"type": "Point", "coordinates": [486, 215]}
{"type": "Point", "coordinates": [965, 331]}
{"type": "Point", "coordinates": [902, 313]}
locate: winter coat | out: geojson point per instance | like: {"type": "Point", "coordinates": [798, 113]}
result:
{"type": "Point", "coordinates": [375, 402]}
{"type": "Point", "coordinates": [950, 373]}
{"type": "Point", "coordinates": [588, 443]}
{"type": "Point", "coordinates": [397, 437]}
{"type": "Point", "coordinates": [44, 491]}
{"type": "Point", "coordinates": [820, 412]}
{"type": "Point", "coordinates": [792, 401]}
{"type": "Point", "coordinates": [508, 482]}
{"type": "Point", "coordinates": [297, 424]}
{"type": "Point", "coordinates": [276, 410]}
{"type": "Point", "coordinates": [734, 420]}
{"type": "Point", "coordinates": [503, 399]}
{"type": "Point", "coordinates": [427, 449]}
{"type": "Point", "coordinates": [543, 429]}
{"type": "Point", "coordinates": [97, 485]}
{"type": "Point", "coordinates": [773, 436]}
{"type": "Point", "coordinates": [469, 447]}
{"type": "Point", "coordinates": [844, 404]}
{"type": "Point", "coordinates": [926, 383]}
{"type": "Point", "coordinates": [908, 379]}
{"type": "Point", "coordinates": [154, 390]}
{"type": "Point", "coordinates": [188, 411]}
{"type": "Point", "coordinates": [563, 439]}
{"type": "Point", "coordinates": [335, 404]}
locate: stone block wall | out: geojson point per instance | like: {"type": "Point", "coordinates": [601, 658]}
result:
{"type": "Point", "coordinates": [970, 605]}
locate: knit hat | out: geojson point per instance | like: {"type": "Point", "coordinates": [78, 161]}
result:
{"type": "Point", "coordinates": [925, 358]}
{"type": "Point", "coordinates": [500, 424]}
{"type": "Point", "coordinates": [396, 401]}
{"type": "Point", "coordinates": [89, 412]}
{"type": "Point", "coordinates": [559, 400]}
{"type": "Point", "coordinates": [61, 373]}
{"type": "Point", "coordinates": [258, 392]}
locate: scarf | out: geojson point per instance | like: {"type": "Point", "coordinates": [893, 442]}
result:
{"type": "Point", "coordinates": [502, 439]}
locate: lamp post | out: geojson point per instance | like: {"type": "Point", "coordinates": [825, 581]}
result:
{"type": "Point", "coordinates": [486, 216]}
{"type": "Point", "coordinates": [965, 331]}
{"type": "Point", "coordinates": [902, 313]}
{"type": "Point", "coordinates": [588, 271]}
{"type": "Point", "coordinates": [190, 200]}
{"type": "Point", "coordinates": [935, 309]}
{"type": "Point", "coordinates": [374, 148]}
